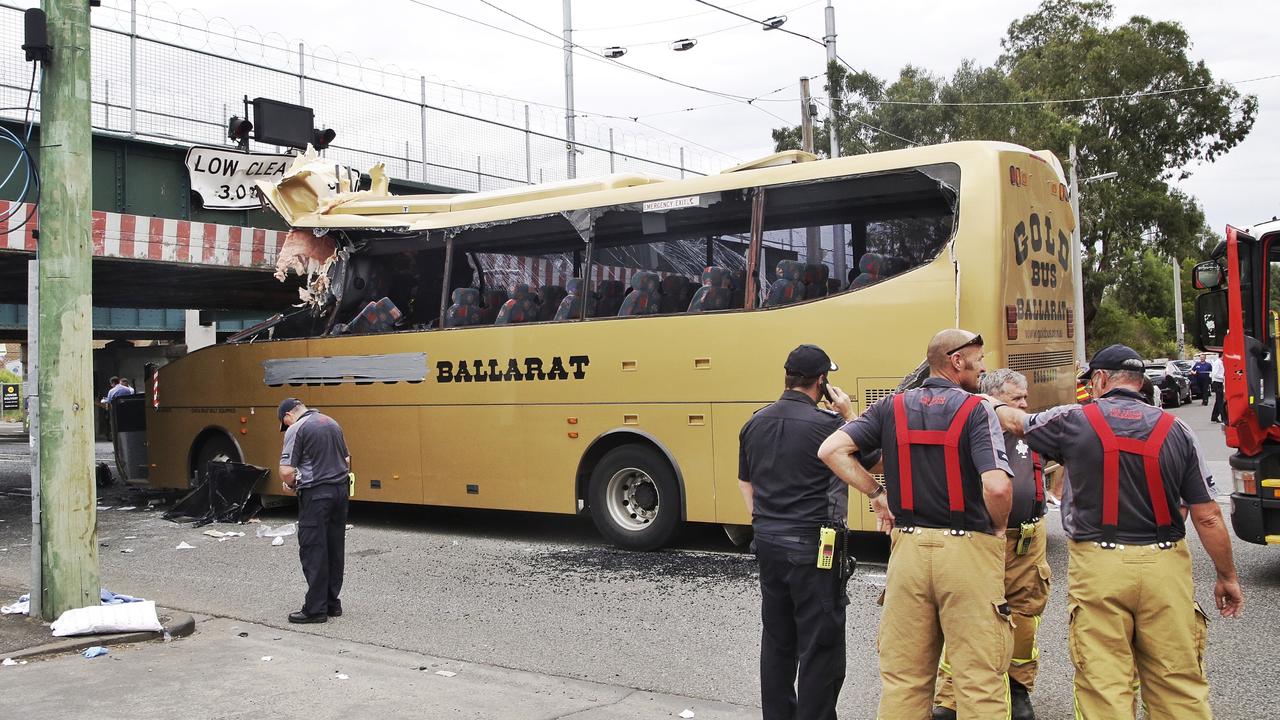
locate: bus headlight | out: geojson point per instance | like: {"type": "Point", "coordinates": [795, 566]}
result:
{"type": "Point", "coordinates": [1244, 481]}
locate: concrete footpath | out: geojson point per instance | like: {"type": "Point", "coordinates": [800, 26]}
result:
{"type": "Point", "coordinates": [233, 669]}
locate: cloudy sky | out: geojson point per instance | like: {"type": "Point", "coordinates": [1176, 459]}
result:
{"type": "Point", "coordinates": [1229, 35]}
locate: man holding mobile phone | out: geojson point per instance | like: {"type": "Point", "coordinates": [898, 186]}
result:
{"type": "Point", "coordinates": [798, 511]}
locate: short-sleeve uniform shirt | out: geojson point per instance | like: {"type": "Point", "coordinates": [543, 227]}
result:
{"type": "Point", "coordinates": [315, 448]}
{"type": "Point", "coordinates": [1027, 481]}
{"type": "Point", "coordinates": [1064, 432]}
{"type": "Point", "coordinates": [932, 407]}
{"type": "Point", "coordinates": [792, 490]}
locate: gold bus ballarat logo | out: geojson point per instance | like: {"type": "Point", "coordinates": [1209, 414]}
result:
{"type": "Point", "coordinates": [1037, 236]}
{"type": "Point", "coordinates": [512, 369]}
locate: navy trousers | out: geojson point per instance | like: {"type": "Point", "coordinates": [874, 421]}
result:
{"type": "Point", "coordinates": [322, 540]}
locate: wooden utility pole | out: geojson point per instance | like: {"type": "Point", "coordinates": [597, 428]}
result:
{"type": "Point", "coordinates": [812, 236]}
{"type": "Point", "coordinates": [68, 497]}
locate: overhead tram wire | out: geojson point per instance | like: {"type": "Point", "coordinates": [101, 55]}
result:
{"type": "Point", "coordinates": [701, 35]}
{"type": "Point", "coordinates": [661, 20]}
{"type": "Point", "coordinates": [586, 52]}
{"type": "Point", "coordinates": [764, 24]}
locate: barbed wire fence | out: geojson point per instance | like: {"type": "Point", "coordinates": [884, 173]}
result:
{"type": "Point", "coordinates": [174, 75]}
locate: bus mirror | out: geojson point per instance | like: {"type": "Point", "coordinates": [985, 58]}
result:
{"type": "Point", "coordinates": [1207, 275]}
{"type": "Point", "coordinates": [1211, 320]}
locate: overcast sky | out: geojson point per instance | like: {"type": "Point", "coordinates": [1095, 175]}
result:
{"type": "Point", "coordinates": [1231, 36]}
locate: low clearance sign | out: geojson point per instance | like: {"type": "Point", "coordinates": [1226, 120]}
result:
{"type": "Point", "coordinates": [225, 178]}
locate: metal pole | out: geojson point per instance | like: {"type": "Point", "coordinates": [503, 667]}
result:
{"type": "Point", "coordinates": [407, 169]}
{"type": "Point", "coordinates": [68, 502]}
{"type": "Point", "coordinates": [133, 67]}
{"type": "Point", "coordinates": [682, 162]}
{"type": "Point", "coordinates": [611, 157]}
{"type": "Point", "coordinates": [569, 121]}
{"type": "Point", "coordinates": [33, 429]}
{"type": "Point", "coordinates": [479, 176]}
{"type": "Point", "coordinates": [422, 122]}
{"type": "Point", "coordinates": [1177, 309]}
{"type": "Point", "coordinates": [1077, 269]}
{"type": "Point", "coordinates": [528, 148]}
{"type": "Point", "coordinates": [302, 74]}
{"type": "Point", "coordinates": [838, 244]}
{"type": "Point", "coordinates": [812, 235]}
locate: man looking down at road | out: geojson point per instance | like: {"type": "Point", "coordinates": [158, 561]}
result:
{"type": "Point", "coordinates": [1130, 593]}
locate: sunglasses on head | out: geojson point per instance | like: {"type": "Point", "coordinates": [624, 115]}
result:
{"type": "Point", "coordinates": [975, 341]}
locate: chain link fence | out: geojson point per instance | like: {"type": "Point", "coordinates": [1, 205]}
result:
{"type": "Point", "coordinates": [174, 75]}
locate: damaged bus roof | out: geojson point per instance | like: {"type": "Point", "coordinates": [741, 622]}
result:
{"type": "Point", "coordinates": [306, 198]}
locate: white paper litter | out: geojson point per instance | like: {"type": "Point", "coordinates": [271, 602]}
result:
{"type": "Point", "coordinates": [127, 507]}
{"type": "Point", "coordinates": [277, 541]}
{"type": "Point", "coordinates": [282, 531]}
{"type": "Point", "coordinates": [9, 661]}
{"type": "Point", "coordinates": [446, 673]}
{"type": "Point", "coordinates": [130, 537]}
{"type": "Point", "coordinates": [342, 676]}
{"type": "Point", "coordinates": [215, 533]}
{"type": "Point", "coordinates": [350, 526]}
{"type": "Point", "coordinates": [184, 545]}
{"type": "Point", "coordinates": [126, 551]}
{"type": "Point", "coordinates": [266, 658]}
{"type": "Point", "coordinates": [22, 607]}
{"type": "Point", "coordinates": [96, 619]}
{"type": "Point", "coordinates": [686, 714]}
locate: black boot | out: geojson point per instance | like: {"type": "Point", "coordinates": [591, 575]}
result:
{"type": "Point", "coordinates": [942, 713]}
{"type": "Point", "coordinates": [1020, 702]}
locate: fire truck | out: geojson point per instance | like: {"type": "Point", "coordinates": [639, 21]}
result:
{"type": "Point", "coordinates": [1238, 316]}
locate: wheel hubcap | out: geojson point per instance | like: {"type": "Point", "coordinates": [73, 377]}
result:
{"type": "Point", "coordinates": [632, 499]}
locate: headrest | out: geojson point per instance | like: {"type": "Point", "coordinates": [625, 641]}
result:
{"type": "Point", "coordinates": [645, 281]}
{"type": "Point", "coordinates": [466, 296]}
{"type": "Point", "coordinates": [790, 270]}
{"type": "Point", "coordinates": [715, 276]}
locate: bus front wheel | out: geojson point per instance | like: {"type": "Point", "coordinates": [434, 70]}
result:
{"type": "Point", "coordinates": [634, 498]}
{"type": "Point", "coordinates": [217, 447]}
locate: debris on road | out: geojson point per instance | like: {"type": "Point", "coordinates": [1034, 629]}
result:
{"type": "Point", "coordinates": [342, 676]}
{"type": "Point", "coordinates": [350, 526]}
{"type": "Point", "coordinates": [127, 507]}
{"type": "Point", "coordinates": [242, 634]}
{"type": "Point", "coordinates": [95, 651]}
{"type": "Point", "coordinates": [126, 551]}
{"type": "Point", "coordinates": [266, 658]}
{"type": "Point", "coordinates": [22, 607]}
{"type": "Point", "coordinates": [687, 713]}
{"type": "Point", "coordinates": [446, 673]}
{"type": "Point", "coordinates": [184, 545]}
{"type": "Point", "coordinates": [282, 531]}
{"type": "Point", "coordinates": [95, 620]}
{"type": "Point", "coordinates": [225, 495]}
{"type": "Point", "coordinates": [9, 662]}
{"type": "Point", "coordinates": [277, 541]}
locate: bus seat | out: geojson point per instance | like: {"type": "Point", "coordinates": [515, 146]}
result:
{"type": "Point", "coordinates": [521, 308]}
{"type": "Point", "coordinates": [875, 267]}
{"type": "Point", "coordinates": [833, 286]}
{"type": "Point", "coordinates": [677, 291]}
{"type": "Point", "coordinates": [549, 297]}
{"type": "Point", "coordinates": [645, 298]}
{"type": "Point", "coordinates": [376, 317]}
{"type": "Point", "coordinates": [716, 292]}
{"type": "Point", "coordinates": [610, 299]}
{"type": "Point", "coordinates": [738, 297]}
{"type": "Point", "coordinates": [789, 287]}
{"type": "Point", "coordinates": [465, 310]}
{"type": "Point", "coordinates": [815, 280]}
{"type": "Point", "coordinates": [571, 306]}
{"type": "Point", "coordinates": [494, 299]}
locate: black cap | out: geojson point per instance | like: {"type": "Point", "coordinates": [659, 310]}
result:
{"type": "Point", "coordinates": [285, 406]}
{"type": "Point", "coordinates": [1114, 357]}
{"type": "Point", "coordinates": [809, 361]}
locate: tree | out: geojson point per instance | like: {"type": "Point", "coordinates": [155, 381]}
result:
{"type": "Point", "coordinates": [1145, 126]}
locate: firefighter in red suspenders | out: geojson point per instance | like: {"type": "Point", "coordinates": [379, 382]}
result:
{"type": "Point", "coordinates": [1026, 567]}
{"type": "Point", "coordinates": [947, 477]}
{"type": "Point", "coordinates": [1131, 600]}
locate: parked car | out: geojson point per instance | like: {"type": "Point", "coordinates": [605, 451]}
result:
{"type": "Point", "coordinates": [1175, 388]}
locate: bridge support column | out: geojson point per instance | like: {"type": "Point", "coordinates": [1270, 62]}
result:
{"type": "Point", "coordinates": [197, 335]}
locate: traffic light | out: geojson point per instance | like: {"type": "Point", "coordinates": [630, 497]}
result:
{"type": "Point", "coordinates": [238, 130]}
{"type": "Point", "coordinates": [321, 138]}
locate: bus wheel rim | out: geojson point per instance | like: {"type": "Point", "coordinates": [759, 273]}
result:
{"type": "Point", "coordinates": [632, 499]}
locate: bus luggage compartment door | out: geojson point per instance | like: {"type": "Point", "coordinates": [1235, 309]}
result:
{"type": "Point", "coordinates": [129, 436]}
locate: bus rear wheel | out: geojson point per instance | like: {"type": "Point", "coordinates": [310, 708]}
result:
{"type": "Point", "coordinates": [215, 448]}
{"type": "Point", "coordinates": [634, 498]}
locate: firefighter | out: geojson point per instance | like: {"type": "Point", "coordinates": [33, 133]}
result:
{"type": "Point", "coordinates": [1026, 567]}
{"type": "Point", "coordinates": [949, 493]}
{"type": "Point", "coordinates": [1131, 599]}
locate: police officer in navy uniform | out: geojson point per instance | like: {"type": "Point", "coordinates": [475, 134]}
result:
{"type": "Point", "coordinates": [948, 480]}
{"type": "Point", "coordinates": [792, 495]}
{"type": "Point", "coordinates": [1131, 600]}
{"type": "Point", "coordinates": [316, 465]}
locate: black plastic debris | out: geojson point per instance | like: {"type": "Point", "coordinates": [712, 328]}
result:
{"type": "Point", "coordinates": [225, 496]}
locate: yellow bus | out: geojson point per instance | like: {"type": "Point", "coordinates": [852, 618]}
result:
{"type": "Point", "coordinates": [596, 345]}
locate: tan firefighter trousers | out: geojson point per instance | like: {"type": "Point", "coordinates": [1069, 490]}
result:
{"type": "Point", "coordinates": [942, 585]}
{"type": "Point", "coordinates": [1133, 608]}
{"type": "Point", "coordinates": [1026, 589]}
